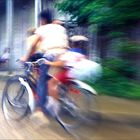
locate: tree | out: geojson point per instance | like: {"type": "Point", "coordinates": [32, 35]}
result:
{"type": "Point", "coordinates": [106, 12]}
{"type": "Point", "coordinates": [113, 19]}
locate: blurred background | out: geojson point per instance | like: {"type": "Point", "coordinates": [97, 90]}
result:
{"type": "Point", "coordinates": [113, 29]}
{"type": "Point", "coordinates": [112, 26]}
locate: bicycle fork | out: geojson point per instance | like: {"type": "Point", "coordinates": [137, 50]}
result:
{"type": "Point", "coordinates": [31, 101]}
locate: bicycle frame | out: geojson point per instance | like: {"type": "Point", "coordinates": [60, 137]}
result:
{"type": "Point", "coordinates": [30, 86]}
{"type": "Point", "coordinates": [67, 105]}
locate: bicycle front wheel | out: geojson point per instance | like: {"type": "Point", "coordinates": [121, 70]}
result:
{"type": "Point", "coordinates": [75, 106]}
{"type": "Point", "coordinates": [14, 100]}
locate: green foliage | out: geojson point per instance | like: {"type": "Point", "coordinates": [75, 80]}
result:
{"type": "Point", "coordinates": [114, 84]}
{"type": "Point", "coordinates": [116, 15]}
{"type": "Point", "coordinates": [116, 34]}
{"type": "Point", "coordinates": [122, 67]}
{"type": "Point", "coordinates": [107, 12]}
{"type": "Point", "coordinates": [126, 46]}
{"type": "Point", "coordinates": [116, 80]}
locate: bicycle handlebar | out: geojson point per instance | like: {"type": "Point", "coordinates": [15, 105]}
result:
{"type": "Point", "coordinates": [39, 61]}
{"type": "Point", "coordinates": [30, 65]}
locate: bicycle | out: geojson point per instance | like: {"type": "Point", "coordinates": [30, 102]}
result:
{"type": "Point", "coordinates": [20, 103]}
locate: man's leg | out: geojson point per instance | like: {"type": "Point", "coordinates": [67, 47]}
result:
{"type": "Point", "coordinates": [52, 88]}
{"type": "Point", "coordinates": [42, 86]}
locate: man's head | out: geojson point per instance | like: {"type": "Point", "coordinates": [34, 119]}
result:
{"type": "Point", "coordinates": [79, 41]}
{"type": "Point", "coordinates": [46, 17]}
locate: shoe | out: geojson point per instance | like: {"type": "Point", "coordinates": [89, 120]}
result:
{"type": "Point", "coordinates": [52, 106]}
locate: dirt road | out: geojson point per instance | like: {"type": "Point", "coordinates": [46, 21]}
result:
{"type": "Point", "coordinates": [120, 120]}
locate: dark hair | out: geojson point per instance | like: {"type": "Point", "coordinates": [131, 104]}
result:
{"type": "Point", "coordinates": [81, 45]}
{"type": "Point", "coordinates": [46, 15]}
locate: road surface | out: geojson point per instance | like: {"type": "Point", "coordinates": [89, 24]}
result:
{"type": "Point", "coordinates": [120, 120]}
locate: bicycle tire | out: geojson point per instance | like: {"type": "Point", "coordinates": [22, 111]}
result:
{"type": "Point", "coordinates": [14, 104]}
{"type": "Point", "coordinates": [81, 114]}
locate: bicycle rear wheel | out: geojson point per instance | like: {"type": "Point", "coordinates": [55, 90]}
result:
{"type": "Point", "coordinates": [75, 106]}
{"type": "Point", "coordinates": [14, 100]}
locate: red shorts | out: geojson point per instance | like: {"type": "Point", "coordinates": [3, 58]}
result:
{"type": "Point", "coordinates": [62, 76]}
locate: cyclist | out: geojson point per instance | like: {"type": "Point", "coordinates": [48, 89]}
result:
{"type": "Point", "coordinates": [78, 65]}
{"type": "Point", "coordinates": [70, 58]}
{"type": "Point", "coordinates": [31, 36]}
{"type": "Point", "coordinates": [53, 42]}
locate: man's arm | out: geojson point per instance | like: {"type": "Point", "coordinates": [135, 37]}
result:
{"type": "Point", "coordinates": [57, 63]}
{"type": "Point", "coordinates": [33, 46]}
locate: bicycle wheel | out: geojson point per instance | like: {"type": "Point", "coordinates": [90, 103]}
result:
{"type": "Point", "coordinates": [14, 100]}
{"type": "Point", "coordinates": [75, 106]}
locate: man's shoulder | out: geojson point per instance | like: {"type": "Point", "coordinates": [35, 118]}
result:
{"type": "Point", "coordinates": [56, 25]}
{"type": "Point", "coordinates": [51, 26]}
